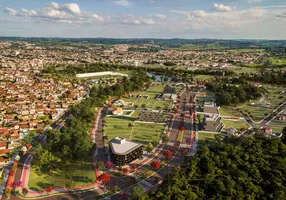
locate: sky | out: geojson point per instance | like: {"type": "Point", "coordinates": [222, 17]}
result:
{"type": "Point", "coordinates": [190, 19]}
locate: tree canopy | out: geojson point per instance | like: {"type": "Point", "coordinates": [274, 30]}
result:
{"type": "Point", "coordinates": [234, 168]}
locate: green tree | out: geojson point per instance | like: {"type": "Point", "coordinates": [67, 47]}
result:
{"type": "Point", "coordinates": [25, 191]}
{"type": "Point", "coordinates": [138, 193]}
{"type": "Point", "coordinates": [100, 165]}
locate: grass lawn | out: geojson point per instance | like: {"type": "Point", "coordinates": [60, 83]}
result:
{"type": "Point", "coordinates": [152, 91]}
{"type": "Point", "coordinates": [240, 70]}
{"type": "Point", "coordinates": [282, 124]}
{"type": "Point", "coordinates": [141, 132]}
{"type": "Point", "coordinates": [83, 175]}
{"type": "Point", "coordinates": [276, 129]}
{"type": "Point", "coordinates": [206, 136]}
{"type": "Point", "coordinates": [257, 112]}
{"type": "Point", "coordinates": [234, 124]}
{"type": "Point", "coordinates": [204, 77]}
{"type": "Point", "coordinates": [145, 133]}
{"type": "Point", "coordinates": [228, 111]}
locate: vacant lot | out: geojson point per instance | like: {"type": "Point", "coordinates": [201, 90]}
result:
{"type": "Point", "coordinates": [234, 124]}
{"type": "Point", "coordinates": [206, 136]}
{"type": "Point", "coordinates": [228, 111]}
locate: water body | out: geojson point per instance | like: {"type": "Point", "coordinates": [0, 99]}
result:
{"type": "Point", "coordinates": [158, 76]}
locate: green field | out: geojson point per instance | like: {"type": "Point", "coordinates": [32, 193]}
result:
{"type": "Point", "coordinates": [204, 77]}
{"type": "Point", "coordinates": [228, 111]}
{"type": "Point", "coordinates": [282, 124]}
{"type": "Point", "coordinates": [152, 91]}
{"type": "Point", "coordinates": [276, 129]}
{"type": "Point", "coordinates": [206, 136]}
{"type": "Point", "coordinates": [257, 112]}
{"type": "Point", "coordinates": [82, 176]}
{"type": "Point", "coordinates": [140, 132]}
{"type": "Point", "coordinates": [247, 50]}
{"type": "Point", "coordinates": [234, 124]}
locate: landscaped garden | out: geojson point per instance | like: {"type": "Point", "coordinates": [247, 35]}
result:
{"type": "Point", "coordinates": [83, 175]}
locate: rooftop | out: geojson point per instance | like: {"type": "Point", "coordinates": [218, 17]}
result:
{"type": "Point", "coordinates": [121, 146]}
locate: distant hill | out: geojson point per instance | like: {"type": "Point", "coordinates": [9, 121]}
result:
{"type": "Point", "coordinates": [170, 43]}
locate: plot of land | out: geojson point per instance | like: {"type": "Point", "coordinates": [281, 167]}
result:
{"type": "Point", "coordinates": [151, 92]}
{"type": "Point", "coordinates": [83, 175]}
{"type": "Point", "coordinates": [204, 77]}
{"type": "Point", "coordinates": [277, 129]}
{"type": "Point", "coordinates": [282, 124]}
{"type": "Point", "coordinates": [234, 124]}
{"type": "Point", "coordinates": [140, 132]}
{"type": "Point", "coordinates": [206, 136]}
{"type": "Point", "coordinates": [258, 113]}
{"type": "Point", "coordinates": [227, 111]}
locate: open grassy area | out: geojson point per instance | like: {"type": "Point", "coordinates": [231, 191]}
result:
{"type": "Point", "coordinates": [257, 112]}
{"type": "Point", "coordinates": [83, 175]}
{"type": "Point", "coordinates": [145, 133]}
{"type": "Point", "coordinates": [204, 77]}
{"type": "Point", "coordinates": [282, 124]}
{"type": "Point", "coordinates": [140, 132]}
{"type": "Point", "coordinates": [206, 136]}
{"type": "Point", "coordinates": [250, 69]}
{"type": "Point", "coordinates": [152, 91]}
{"type": "Point", "coordinates": [228, 111]}
{"type": "Point", "coordinates": [234, 124]}
{"type": "Point", "coordinates": [274, 98]}
{"type": "Point", "coordinates": [277, 129]}
{"type": "Point", "coordinates": [247, 50]}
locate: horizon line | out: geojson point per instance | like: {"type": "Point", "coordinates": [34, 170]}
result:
{"type": "Point", "coordinates": [135, 38]}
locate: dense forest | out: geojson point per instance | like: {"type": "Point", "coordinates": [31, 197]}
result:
{"type": "Point", "coordinates": [265, 76]}
{"type": "Point", "coordinates": [230, 168]}
{"type": "Point", "coordinates": [228, 94]}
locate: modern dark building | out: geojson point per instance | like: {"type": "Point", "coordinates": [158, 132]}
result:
{"type": "Point", "coordinates": [124, 151]}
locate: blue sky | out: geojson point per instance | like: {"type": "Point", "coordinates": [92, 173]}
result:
{"type": "Point", "coordinates": [221, 19]}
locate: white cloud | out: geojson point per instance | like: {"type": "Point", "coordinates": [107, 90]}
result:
{"type": "Point", "coordinates": [137, 21]}
{"type": "Point", "coordinates": [149, 21]}
{"type": "Point", "coordinates": [71, 8]}
{"type": "Point", "coordinates": [254, 1]}
{"type": "Point", "coordinates": [197, 14]}
{"type": "Point", "coordinates": [63, 21]}
{"type": "Point", "coordinates": [122, 3]}
{"type": "Point", "coordinates": [98, 17]}
{"type": "Point", "coordinates": [53, 12]}
{"type": "Point", "coordinates": [26, 12]}
{"type": "Point", "coordinates": [282, 15]}
{"type": "Point", "coordinates": [160, 16]}
{"type": "Point", "coordinates": [222, 8]}
{"type": "Point", "coordinates": [54, 5]}
{"type": "Point", "coordinates": [180, 12]}
{"type": "Point", "coordinates": [10, 11]}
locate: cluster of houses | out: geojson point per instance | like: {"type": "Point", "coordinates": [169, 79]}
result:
{"type": "Point", "coordinates": [29, 102]}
